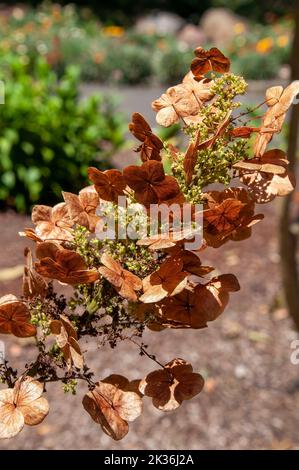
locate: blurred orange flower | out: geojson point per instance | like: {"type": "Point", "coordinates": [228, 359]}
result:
{"type": "Point", "coordinates": [263, 46]}
{"type": "Point", "coordinates": [114, 31]}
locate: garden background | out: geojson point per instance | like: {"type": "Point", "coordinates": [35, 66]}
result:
{"type": "Point", "coordinates": [73, 75]}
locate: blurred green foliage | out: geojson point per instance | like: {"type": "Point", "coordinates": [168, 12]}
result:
{"type": "Point", "coordinates": [256, 67]}
{"type": "Point", "coordinates": [262, 50]}
{"type": "Point", "coordinates": [172, 64]}
{"type": "Point", "coordinates": [128, 64]}
{"type": "Point", "coordinates": [48, 137]}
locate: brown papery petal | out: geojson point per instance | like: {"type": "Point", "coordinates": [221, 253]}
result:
{"type": "Point", "coordinates": [111, 276]}
{"type": "Point", "coordinates": [11, 421]}
{"type": "Point", "coordinates": [76, 354]}
{"type": "Point", "coordinates": [273, 95]}
{"type": "Point", "coordinates": [35, 412]}
{"type": "Point", "coordinates": [23, 330]}
{"type": "Point", "coordinates": [41, 213]}
{"type": "Point", "coordinates": [128, 404]}
{"type": "Point", "coordinates": [103, 414]}
{"type": "Point", "coordinates": [111, 263]}
{"type": "Point", "coordinates": [27, 390]}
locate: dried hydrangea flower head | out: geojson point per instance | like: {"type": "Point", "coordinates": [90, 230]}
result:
{"type": "Point", "coordinates": [115, 287]}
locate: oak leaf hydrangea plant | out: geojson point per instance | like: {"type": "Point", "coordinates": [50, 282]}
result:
{"type": "Point", "coordinates": [119, 285]}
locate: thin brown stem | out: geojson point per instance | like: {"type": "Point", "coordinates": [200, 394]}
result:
{"type": "Point", "coordinates": [72, 377]}
{"type": "Point", "coordinates": [250, 111]}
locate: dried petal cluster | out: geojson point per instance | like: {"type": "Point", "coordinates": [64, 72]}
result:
{"type": "Point", "coordinates": [229, 215]}
{"type": "Point", "coordinates": [182, 101]}
{"type": "Point", "coordinates": [20, 405]}
{"type": "Point", "coordinates": [111, 404]}
{"type": "Point", "coordinates": [150, 184]}
{"type": "Point", "coordinates": [52, 223]}
{"type": "Point", "coordinates": [170, 386]}
{"type": "Point", "coordinates": [82, 208]}
{"type": "Point", "coordinates": [15, 318]}
{"type": "Point", "coordinates": [67, 266]}
{"type": "Point", "coordinates": [151, 145]}
{"type": "Point", "coordinates": [266, 176]}
{"type": "Point", "coordinates": [114, 288]}
{"type": "Point", "coordinates": [122, 280]}
{"type": "Point", "coordinates": [279, 101]}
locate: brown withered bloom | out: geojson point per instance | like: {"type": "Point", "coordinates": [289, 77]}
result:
{"type": "Point", "coordinates": [82, 208]}
{"type": "Point", "coordinates": [264, 187]}
{"type": "Point", "coordinates": [15, 318]}
{"type": "Point", "coordinates": [168, 280]}
{"type": "Point", "coordinates": [279, 100]}
{"type": "Point", "coordinates": [229, 215]}
{"type": "Point", "coordinates": [52, 223]}
{"type": "Point", "coordinates": [33, 284]}
{"type": "Point", "coordinates": [267, 176]}
{"type": "Point", "coordinates": [191, 261]}
{"type": "Point", "coordinates": [67, 340]}
{"type": "Point", "coordinates": [112, 408]}
{"type": "Point", "coordinates": [151, 146]}
{"type": "Point", "coordinates": [21, 405]}
{"type": "Point", "coordinates": [125, 283]}
{"type": "Point", "coordinates": [200, 89]}
{"type": "Point", "coordinates": [170, 386]}
{"type": "Point", "coordinates": [150, 184]}
{"type": "Point", "coordinates": [213, 296]}
{"type": "Point", "coordinates": [66, 266]}
{"type": "Point", "coordinates": [222, 218]}
{"type": "Point", "coordinates": [195, 307]}
{"type": "Point", "coordinates": [206, 61]}
{"type": "Point", "coordinates": [181, 311]}
{"type": "Point", "coordinates": [183, 101]}
{"type": "Point", "coordinates": [109, 184]}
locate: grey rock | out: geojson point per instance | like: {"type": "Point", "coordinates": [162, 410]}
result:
{"type": "Point", "coordinates": [220, 25]}
{"type": "Point", "coordinates": [192, 36]}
